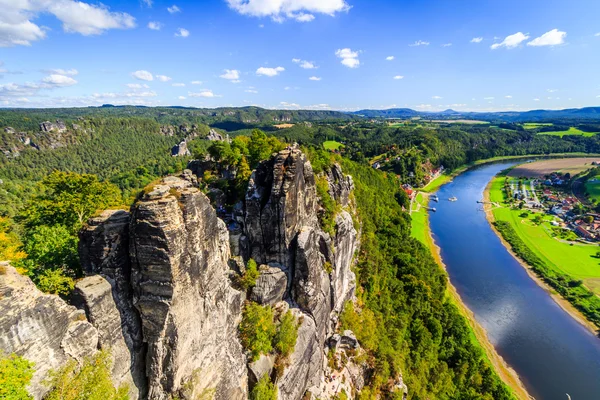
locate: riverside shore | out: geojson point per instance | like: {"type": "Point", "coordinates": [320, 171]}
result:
{"type": "Point", "coordinates": [562, 302]}
{"type": "Point", "coordinates": [508, 375]}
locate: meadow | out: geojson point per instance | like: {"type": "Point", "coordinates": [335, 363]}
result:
{"type": "Point", "coordinates": [571, 131]}
{"type": "Point", "coordinates": [332, 145]}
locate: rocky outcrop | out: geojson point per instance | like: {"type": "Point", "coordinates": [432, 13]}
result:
{"type": "Point", "coordinates": [281, 226]}
{"type": "Point", "coordinates": [106, 296]}
{"type": "Point", "coordinates": [48, 126]}
{"type": "Point", "coordinates": [40, 327]}
{"type": "Point", "coordinates": [214, 136]}
{"type": "Point", "coordinates": [270, 285]}
{"type": "Point", "coordinates": [180, 149]}
{"type": "Point", "coordinates": [179, 252]}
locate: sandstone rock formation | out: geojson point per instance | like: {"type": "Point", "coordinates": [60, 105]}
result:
{"type": "Point", "coordinates": [180, 149]}
{"type": "Point", "coordinates": [40, 327]}
{"type": "Point", "coordinates": [179, 252]}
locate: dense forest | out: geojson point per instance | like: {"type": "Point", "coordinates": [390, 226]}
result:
{"type": "Point", "coordinates": [105, 156]}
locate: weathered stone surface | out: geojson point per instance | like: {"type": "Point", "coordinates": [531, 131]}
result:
{"type": "Point", "coordinates": [306, 362]}
{"type": "Point", "coordinates": [271, 285]}
{"type": "Point", "coordinates": [180, 149]}
{"type": "Point", "coordinates": [179, 252]}
{"type": "Point", "coordinates": [119, 330]}
{"type": "Point", "coordinates": [41, 328]}
{"type": "Point", "coordinates": [340, 185]}
{"type": "Point", "coordinates": [343, 280]}
{"type": "Point", "coordinates": [214, 136]}
{"type": "Point", "coordinates": [260, 367]}
{"type": "Point", "coordinates": [281, 199]}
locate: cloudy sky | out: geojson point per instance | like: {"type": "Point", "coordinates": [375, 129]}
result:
{"type": "Point", "coordinates": [318, 54]}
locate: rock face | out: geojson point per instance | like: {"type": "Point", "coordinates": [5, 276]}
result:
{"type": "Point", "coordinates": [107, 298]}
{"type": "Point", "coordinates": [180, 149]}
{"type": "Point", "coordinates": [41, 328]}
{"type": "Point", "coordinates": [281, 226]}
{"type": "Point", "coordinates": [214, 136]}
{"type": "Point", "coordinates": [270, 285]}
{"type": "Point", "coordinates": [179, 251]}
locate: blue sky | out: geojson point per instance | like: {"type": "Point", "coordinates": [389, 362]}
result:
{"type": "Point", "coordinates": [466, 55]}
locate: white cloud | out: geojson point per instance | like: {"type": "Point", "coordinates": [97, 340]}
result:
{"type": "Point", "coordinates": [550, 38]}
{"type": "Point", "coordinates": [304, 64]}
{"type": "Point", "coordinates": [178, 85]}
{"type": "Point", "coordinates": [419, 43]}
{"type": "Point", "coordinates": [511, 41]}
{"type": "Point", "coordinates": [182, 32]}
{"type": "Point", "coordinates": [349, 57]}
{"type": "Point", "coordinates": [251, 91]}
{"type": "Point", "coordinates": [141, 94]}
{"type": "Point", "coordinates": [59, 80]}
{"type": "Point", "coordinates": [269, 71]}
{"type": "Point", "coordinates": [436, 97]}
{"type": "Point", "coordinates": [446, 44]}
{"type": "Point", "coordinates": [163, 78]}
{"type": "Point", "coordinates": [551, 90]}
{"type": "Point", "coordinates": [597, 34]}
{"type": "Point", "coordinates": [60, 71]}
{"type": "Point", "coordinates": [314, 78]}
{"type": "Point", "coordinates": [398, 77]}
{"type": "Point", "coordinates": [143, 75]}
{"type": "Point", "coordinates": [148, 3]}
{"type": "Point", "coordinates": [154, 25]}
{"type": "Point", "coordinates": [303, 17]}
{"type": "Point", "coordinates": [477, 40]}
{"type": "Point", "coordinates": [280, 10]}
{"type": "Point", "coordinates": [204, 93]}
{"type": "Point", "coordinates": [261, 26]}
{"type": "Point", "coordinates": [488, 98]}
{"type": "Point", "coordinates": [181, 97]}
{"type": "Point", "coordinates": [137, 86]}
{"type": "Point", "coordinates": [389, 58]}
{"type": "Point", "coordinates": [17, 28]}
{"type": "Point", "coordinates": [508, 97]}
{"type": "Point", "coordinates": [196, 82]}
{"type": "Point", "coordinates": [231, 74]}
{"type": "Point", "coordinates": [173, 9]}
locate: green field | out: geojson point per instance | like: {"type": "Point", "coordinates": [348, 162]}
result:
{"type": "Point", "coordinates": [593, 188]}
{"type": "Point", "coordinates": [332, 145]}
{"type": "Point", "coordinates": [573, 258]}
{"type": "Point", "coordinates": [571, 131]}
{"type": "Point", "coordinates": [419, 228]}
{"type": "Point", "coordinates": [535, 125]}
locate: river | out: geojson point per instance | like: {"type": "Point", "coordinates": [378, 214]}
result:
{"type": "Point", "coordinates": [552, 353]}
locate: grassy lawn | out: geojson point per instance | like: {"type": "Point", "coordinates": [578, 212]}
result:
{"type": "Point", "coordinates": [577, 260]}
{"type": "Point", "coordinates": [571, 131]}
{"type": "Point", "coordinates": [332, 145]}
{"type": "Point", "coordinates": [419, 228]}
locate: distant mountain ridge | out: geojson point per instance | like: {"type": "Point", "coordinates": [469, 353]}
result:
{"type": "Point", "coordinates": [590, 113]}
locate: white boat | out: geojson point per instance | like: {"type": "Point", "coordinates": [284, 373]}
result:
{"type": "Point", "coordinates": [453, 198]}
{"type": "Point", "coordinates": [435, 198]}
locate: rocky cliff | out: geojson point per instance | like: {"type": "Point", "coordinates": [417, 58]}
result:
{"type": "Point", "coordinates": [158, 290]}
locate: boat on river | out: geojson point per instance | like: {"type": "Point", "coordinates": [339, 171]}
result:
{"type": "Point", "coordinates": [435, 198]}
{"type": "Point", "coordinates": [453, 198]}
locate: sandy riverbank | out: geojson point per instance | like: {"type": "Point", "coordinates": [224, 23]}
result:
{"type": "Point", "coordinates": [562, 303]}
{"type": "Point", "coordinates": [508, 375]}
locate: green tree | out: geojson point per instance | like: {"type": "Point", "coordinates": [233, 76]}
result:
{"type": "Point", "coordinates": [264, 389]}
{"type": "Point", "coordinates": [15, 374]}
{"type": "Point", "coordinates": [257, 329]}
{"type": "Point", "coordinates": [248, 280]}
{"type": "Point", "coordinates": [10, 245]}
{"type": "Point", "coordinates": [287, 334]}
{"type": "Point", "coordinates": [69, 199]}
{"type": "Point", "coordinates": [91, 381]}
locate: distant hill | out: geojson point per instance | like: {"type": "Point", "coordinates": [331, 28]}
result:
{"type": "Point", "coordinates": [587, 113]}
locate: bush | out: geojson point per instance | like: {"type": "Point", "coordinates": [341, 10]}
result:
{"type": "Point", "coordinates": [287, 334]}
{"type": "Point", "coordinates": [91, 381]}
{"type": "Point", "coordinates": [264, 389]}
{"type": "Point", "coordinates": [15, 374]}
{"type": "Point", "coordinates": [257, 329]}
{"type": "Point", "coordinates": [248, 280]}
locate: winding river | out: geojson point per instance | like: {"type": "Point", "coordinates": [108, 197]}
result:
{"type": "Point", "coordinates": [552, 353]}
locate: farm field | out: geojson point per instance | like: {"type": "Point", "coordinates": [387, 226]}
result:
{"type": "Point", "coordinates": [571, 131]}
{"type": "Point", "coordinates": [332, 145]}
{"type": "Point", "coordinates": [534, 125]}
{"type": "Point", "coordinates": [544, 167]}
{"type": "Point", "coordinates": [573, 258]}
